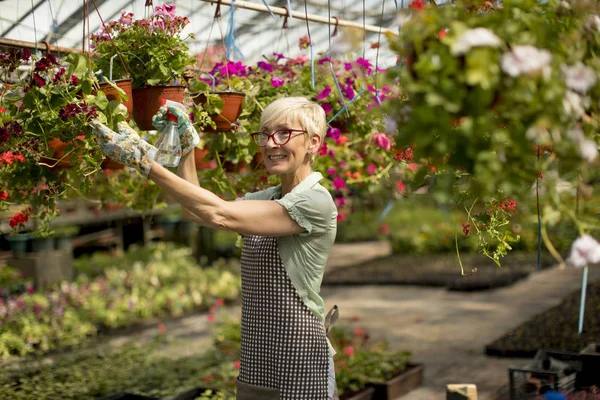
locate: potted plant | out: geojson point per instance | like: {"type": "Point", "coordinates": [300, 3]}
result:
{"type": "Point", "coordinates": [156, 62]}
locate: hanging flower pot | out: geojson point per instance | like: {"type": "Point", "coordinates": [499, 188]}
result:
{"type": "Point", "coordinates": [112, 93]}
{"type": "Point", "coordinates": [232, 108]}
{"type": "Point", "coordinates": [148, 100]}
{"type": "Point", "coordinates": [199, 155]}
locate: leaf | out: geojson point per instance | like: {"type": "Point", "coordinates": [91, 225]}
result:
{"type": "Point", "coordinates": [78, 65]}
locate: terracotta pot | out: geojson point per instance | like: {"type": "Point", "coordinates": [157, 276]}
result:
{"type": "Point", "coordinates": [232, 108]}
{"type": "Point", "coordinates": [147, 101]}
{"type": "Point", "coordinates": [198, 156]}
{"type": "Point", "coordinates": [112, 94]}
{"type": "Point", "coordinates": [59, 151]}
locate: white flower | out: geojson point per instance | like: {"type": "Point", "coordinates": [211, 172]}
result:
{"type": "Point", "coordinates": [593, 23]}
{"type": "Point", "coordinates": [587, 148]}
{"type": "Point", "coordinates": [574, 105]}
{"type": "Point", "coordinates": [538, 134]}
{"type": "Point", "coordinates": [525, 60]}
{"type": "Point", "coordinates": [585, 250]}
{"type": "Point", "coordinates": [579, 77]}
{"type": "Point", "coordinates": [478, 37]}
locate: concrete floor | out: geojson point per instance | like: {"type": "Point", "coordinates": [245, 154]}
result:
{"type": "Point", "coordinates": [446, 331]}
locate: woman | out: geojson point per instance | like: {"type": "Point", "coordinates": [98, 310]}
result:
{"type": "Point", "coordinates": [288, 232]}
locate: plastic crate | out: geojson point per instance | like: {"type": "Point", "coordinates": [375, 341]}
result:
{"type": "Point", "coordinates": [549, 371]}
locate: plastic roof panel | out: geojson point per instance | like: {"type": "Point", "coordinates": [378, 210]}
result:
{"type": "Point", "coordinates": [61, 23]}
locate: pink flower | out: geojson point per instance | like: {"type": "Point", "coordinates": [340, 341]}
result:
{"type": "Point", "coordinates": [326, 108]}
{"type": "Point", "coordinates": [400, 186]}
{"type": "Point", "coordinates": [412, 166]}
{"type": "Point", "coordinates": [324, 93]}
{"type": "Point", "coordinates": [349, 351]}
{"type": "Point", "coordinates": [585, 250]}
{"type": "Point", "coordinates": [330, 171]}
{"type": "Point", "coordinates": [211, 318]}
{"type": "Point", "coordinates": [167, 10]}
{"type": "Point", "coordinates": [381, 140]}
{"type": "Point", "coordinates": [371, 169]}
{"type": "Point", "coordinates": [339, 201]}
{"type": "Point", "coordinates": [159, 24]}
{"type": "Point", "coordinates": [347, 66]}
{"type": "Point", "coordinates": [277, 81]}
{"type": "Point", "coordinates": [339, 183]}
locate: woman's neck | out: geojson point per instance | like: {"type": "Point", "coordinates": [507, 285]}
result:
{"type": "Point", "coordinates": [289, 182]}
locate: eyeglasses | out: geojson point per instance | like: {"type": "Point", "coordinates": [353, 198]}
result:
{"type": "Point", "coordinates": [279, 137]}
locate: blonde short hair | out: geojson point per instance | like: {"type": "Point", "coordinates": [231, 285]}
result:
{"type": "Point", "coordinates": [295, 110]}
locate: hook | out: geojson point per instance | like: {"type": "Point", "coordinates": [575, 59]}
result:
{"type": "Point", "coordinates": [285, 18]}
{"type": "Point", "coordinates": [337, 21]}
{"type": "Point", "coordinates": [212, 78]}
{"type": "Point", "coordinates": [218, 10]}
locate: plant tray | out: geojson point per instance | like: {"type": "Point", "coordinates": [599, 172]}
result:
{"type": "Point", "coordinates": [365, 394]}
{"type": "Point", "coordinates": [399, 385]}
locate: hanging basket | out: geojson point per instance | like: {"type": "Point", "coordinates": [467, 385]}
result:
{"type": "Point", "coordinates": [232, 108]}
{"type": "Point", "coordinates": [148, 100]}
{"type": "Point", "coordinates": [112, 93]}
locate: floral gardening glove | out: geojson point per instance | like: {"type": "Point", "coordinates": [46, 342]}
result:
{"type": "Point", "coordinates": [187, 133]}
{"type": "Point", "coordinates": [125, 147]}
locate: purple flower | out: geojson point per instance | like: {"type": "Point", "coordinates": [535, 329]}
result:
{"type": "Point", "coordinates": [277, 81]}
{"type": "Point", "coordinates": [348, 92]}
{"type": "Point", "coordinates": [278, 56]}
{"type": "Point", "coordinates": [348, 66]}
{"type": "Point", "coordinates": [331, 171]}
{"type": "Point", "coordinates": [265, 66]}
{"type": "Point", "coordinates": [333, 133]}
{"type": "Point", "coordinates": [366, 64]}
{"type": "Point", "coordinates": [231, 69]}
{"type": "Point", "coordinates": [371, 169]}
{"type": "Point", "coordinates": [74, 80]}
{"type": "Point", "coordinates": [339, 201]}
{"type": "Point", "coordinates": [324, 93]}
{"type": "Point", "coordinates": [326, 108]}
{"type": "Point", "coordinates": [339, 183]}
{"type": "Point", "coordinates": [323, 60]}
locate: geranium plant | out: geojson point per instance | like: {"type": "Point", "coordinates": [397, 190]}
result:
{"type": "Point", "coordinates": [45, 128]}
{"type": "Point", "coordinates": [153, 49]}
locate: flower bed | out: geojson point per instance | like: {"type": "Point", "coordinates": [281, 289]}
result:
{"type": "Point", "coordinates": [167, 283]}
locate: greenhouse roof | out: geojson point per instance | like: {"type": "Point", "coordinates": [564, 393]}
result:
{"type": "Point", "coordinates": [60, 22]}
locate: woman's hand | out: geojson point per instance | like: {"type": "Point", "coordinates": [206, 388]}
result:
{"type": "Point", "coordinates": [125, 147]}
{"type": "Point", "coordinates": [187, 133]}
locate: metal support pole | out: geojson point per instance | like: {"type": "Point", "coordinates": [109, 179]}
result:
{"type": "Point", "coordinates": [301, 16]}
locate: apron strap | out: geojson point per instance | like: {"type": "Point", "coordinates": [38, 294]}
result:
{"type": "Point", "coordinates": [332, 316]}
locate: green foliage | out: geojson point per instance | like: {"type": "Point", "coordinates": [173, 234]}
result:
{"type": "Point", "coordinates": [118, 292]}
{"type": "Point", "coordinates": [506, 94]}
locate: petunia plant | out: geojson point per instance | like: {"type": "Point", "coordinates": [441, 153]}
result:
{"type": "Point", "coordinates": [501, 102]}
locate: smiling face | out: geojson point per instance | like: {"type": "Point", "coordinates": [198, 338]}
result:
{"type": "Point", "coordinates": [292, 161]}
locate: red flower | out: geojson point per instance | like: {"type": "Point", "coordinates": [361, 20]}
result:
{"type": "Point", "coordinates": [442, 33]}
{"type": "Point", "coordinates": [236, 364]}
{"type": "Point", "coordinates": [161, 328]}
{"type": "Point", "coordinates": [417, 5]}
{"type": "Point", "coordinates": [219, 302]}
{"type": "Point", "coordinates": [208, 378]}
{"type": "Point", "coordinates": [211, 318]}
{"type": "Point", "coordinates": [466, 228]}
{"type": "Point", "coordinates": [400, 186]}
{"type": "Point", "coordinates": [540, 175]}
{"type": "Point", "coordinates": [3, 195]}
{"type": "Point", "coordinates": [18, 219]}
{"type": "Point", "coordinates": [384, 228]}
{"type": "Point", "coordinates": [19, 157]}
{"type": "Point", "coordinates": [359, 332]}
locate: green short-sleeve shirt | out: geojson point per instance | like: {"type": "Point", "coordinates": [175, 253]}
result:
{"type": "Point", "coordinates": [305, 255]}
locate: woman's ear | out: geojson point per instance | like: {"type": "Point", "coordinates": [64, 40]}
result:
{"type": "Point", "coordinates": [314, 144]}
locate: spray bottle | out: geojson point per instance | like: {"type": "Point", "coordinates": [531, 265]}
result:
{"type": "Point", "coordinates": [168, 144]}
